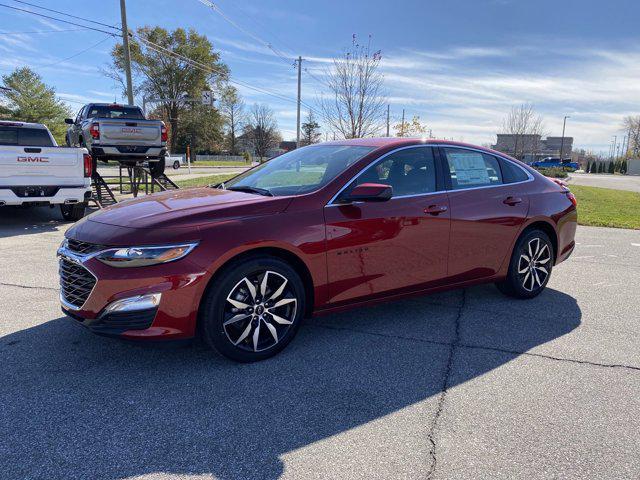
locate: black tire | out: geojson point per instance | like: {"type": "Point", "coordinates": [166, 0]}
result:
{"type": "Point", "coordinates": [73, 212]}
{"type": "Point", "coordinates": [157, 168]}
{"type": "Point", "coordinates": [176, 165]}
{"type": "Point", "coordinates": [67, 141]}
{"type": "Point", "coordinates": [523, 279]}
{"type": "Point", "coordinates": [236, 339]}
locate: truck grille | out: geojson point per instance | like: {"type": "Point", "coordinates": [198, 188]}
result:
{"type": "Point", "coordinates": [83, 248]}
{"type": "Point", "coordinates": [76, 282]}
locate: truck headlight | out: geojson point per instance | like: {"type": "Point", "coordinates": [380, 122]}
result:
{"type": "Point", "coordinates": [144, 256]}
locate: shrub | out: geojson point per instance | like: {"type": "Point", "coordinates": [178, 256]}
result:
{"type": "Point", "coordinates": [553, 172]}
{"type": "Point", "coordinates": [594, 167]}
{"type": "Point", "coordinates": [611, 168]}
{"type": "Point", "coordinates": [247, 157]}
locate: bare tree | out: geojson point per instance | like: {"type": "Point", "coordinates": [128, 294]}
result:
{"type": "Point", "coordinates": [262, 130]}
{"type": "Point", "coordinates": [526, 128]}
{"type": "Point", "coordinates": [310, 130]}
{"type": "Point", "coordinates": [356, 103]}
{"type": "Point", "coordinates": [232, 109]}
{"type": "Point", "coordinates": [632, 125]}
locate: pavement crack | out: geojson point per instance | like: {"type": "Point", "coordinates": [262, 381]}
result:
{"type": "Point", "coordinates": [17, 285]}
{"type": "Point", "coordinates": [431, 436]}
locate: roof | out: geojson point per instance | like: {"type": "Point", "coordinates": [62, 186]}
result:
{"type": "Point", "coordinates": [395, 142]}
{"type": "Point", "coordinates": [17, 123]}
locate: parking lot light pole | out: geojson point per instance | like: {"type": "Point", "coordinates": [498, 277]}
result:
{"type": "Point", "coordinates": [564, 124]}
{"type": "Point", "coordinates": [127, 53]}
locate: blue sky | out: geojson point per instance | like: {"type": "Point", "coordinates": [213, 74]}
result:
{"type": "Point", "coordinates": [458, 64]}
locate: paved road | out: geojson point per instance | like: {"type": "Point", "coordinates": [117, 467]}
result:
{"type": "Point", "coordinates": [465, 384]}
{"type": "Point", "coordinates": [617, 182]}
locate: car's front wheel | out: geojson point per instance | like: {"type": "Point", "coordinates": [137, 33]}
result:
{"type": "Point", "coordinates": [254, 309]}
{"type": "Point", "coordinates": [530, 266]}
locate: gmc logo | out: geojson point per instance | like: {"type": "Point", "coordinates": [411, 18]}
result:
{"type": "Point", "coordinates": [33, 159]}
{"type": "Point", "coordinates": [131, 131]}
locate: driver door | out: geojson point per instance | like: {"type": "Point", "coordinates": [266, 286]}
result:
{"type": "Point", "coordinates": [376, 248]}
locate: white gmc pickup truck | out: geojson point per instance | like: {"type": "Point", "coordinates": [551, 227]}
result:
{"type": "Point", "coordinates": [35, 171]}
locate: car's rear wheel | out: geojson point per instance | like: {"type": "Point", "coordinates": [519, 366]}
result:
{"type": "Point", "coordinates": [530, 265]}
{"type": "Point", "coordinates": [73, 212]}
{"type": "Point", "coordinates": [176, 165]}
{"type": "Point", "coordinates": [254, 309]}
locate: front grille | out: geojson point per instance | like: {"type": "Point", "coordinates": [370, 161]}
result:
{"type": "Point", "coordinates": [83, 248]}
{"type": "Point", "coordinates": [35, 191]}
{"type": "Point", "coordinates": [76, 282]}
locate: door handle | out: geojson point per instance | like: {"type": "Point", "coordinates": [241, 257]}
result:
{"type": "Point", "coordinates": [511, 201]}
{"type": "Point", "coordinates": [435, 209]}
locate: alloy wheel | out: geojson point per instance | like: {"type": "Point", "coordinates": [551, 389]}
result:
{"type": "Point", "coordinates": [534, 264]}
{"type": "Point", "coordinates": [259, 311]}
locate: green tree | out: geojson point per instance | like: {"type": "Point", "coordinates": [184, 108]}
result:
{"type": "Point", "coordinates": [171, 81]}
{"type": "Point", "coordinates": [611, 168]}
{"type": "Point", "coordinates": [201, 128]}
{"type": "Point", "coordinates": [28, 99]}
{"type": "Point", "coordinates": [233, 113]}
{"type": "Point", "coordinates": [310, 130]}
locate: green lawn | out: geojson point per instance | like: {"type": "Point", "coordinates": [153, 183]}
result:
{"type": "Point", "coordinates": [604, 207]}
{"type": "Point", "coordinates": [203, 181]}
{"type": "Point", "coordinates": [214, 163]}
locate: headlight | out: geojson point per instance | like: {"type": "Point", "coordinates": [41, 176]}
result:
{"type": "Point", "coordinates": [144, 256]}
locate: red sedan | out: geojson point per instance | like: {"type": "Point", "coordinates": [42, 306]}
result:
{"type": "Point", "coordinates": [318, 229]}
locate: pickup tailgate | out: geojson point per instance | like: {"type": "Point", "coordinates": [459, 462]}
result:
{"type": "Point", "coordinates": [134, 132]}
{"type": "Point", "coordinates": [59, 166]}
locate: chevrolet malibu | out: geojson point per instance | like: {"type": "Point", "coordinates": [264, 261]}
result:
{"type": "Point", "coordinates": [319, 229]}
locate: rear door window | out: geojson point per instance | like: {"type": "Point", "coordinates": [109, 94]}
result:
{"type": "Point", "coordinates": [25, 137]}
{"type": "Point", "coordinates": [472, 169]}
{"type": "Point", "coordinates": [511, 173]}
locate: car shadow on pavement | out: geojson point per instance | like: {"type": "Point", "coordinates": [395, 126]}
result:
{"type": "Point", "coordinates": [28, 220]}
{"type": "Point", "coordinates": [79, 406]}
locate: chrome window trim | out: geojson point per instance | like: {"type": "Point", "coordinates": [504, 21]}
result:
{"type": "Point", "coordinates": [530, 177]}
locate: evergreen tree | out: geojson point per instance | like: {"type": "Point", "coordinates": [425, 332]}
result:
{"type": "Point", "coordinates": [28, 99]}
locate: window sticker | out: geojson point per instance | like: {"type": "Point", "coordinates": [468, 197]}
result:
{"type": "Point", "coordinates": [469, 167]}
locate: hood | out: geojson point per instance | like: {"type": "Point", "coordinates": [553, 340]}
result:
{"type": "Point", "coordinates": [187, 208]}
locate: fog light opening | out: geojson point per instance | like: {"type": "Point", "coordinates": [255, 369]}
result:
{"type": "Point", "coordinates": [131, 304]}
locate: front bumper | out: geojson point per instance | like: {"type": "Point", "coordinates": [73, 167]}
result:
{"type": "Point", "coordinates": [180, 283]}
{"type": "Point", "coordinates": [63, 195]}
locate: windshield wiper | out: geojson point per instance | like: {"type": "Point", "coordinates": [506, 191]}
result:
{"type": "Point", "coordinates": [247, 189]}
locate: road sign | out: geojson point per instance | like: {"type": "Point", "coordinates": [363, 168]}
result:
{"type": "Point", "coordinates": [207, 98]}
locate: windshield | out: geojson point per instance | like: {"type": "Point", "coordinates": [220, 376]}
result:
{"type": "Point", "coordinates": [301, 171]}
{"type": "Point", "coordinates": [115, 111]}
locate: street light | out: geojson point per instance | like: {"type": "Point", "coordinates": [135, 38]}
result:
{"type": "Point", "coordinates": [564, 124]}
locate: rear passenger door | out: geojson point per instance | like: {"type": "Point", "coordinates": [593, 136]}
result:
{"type": "Point", "coordinates": [487, 208]}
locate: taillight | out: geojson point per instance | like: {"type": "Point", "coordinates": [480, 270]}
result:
{"type": "Point", "coordinates": [572, 199]}
{"type": "Point", "coordinates": [94, 131]}
{"type": "Point", "coordinates": [88, 165]}
{"type": "Point", "coordinates": [163, 133]}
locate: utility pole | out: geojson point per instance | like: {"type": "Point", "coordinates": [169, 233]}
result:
{"type": "Point", "coordinates": [564, 124]}
{"type": "Point", "coordinates": [127, 53]}
{"type": "Point", "coordinates": [387, 119]}
{"type": "Point", "coordinates": [299, 61]}
{"type": "Point", "coordinates": [402, 125]}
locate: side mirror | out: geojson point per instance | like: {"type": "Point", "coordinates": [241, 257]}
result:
{"type": "Point", "coordinates": [69, 121]}
{"type": "Point", "coordinates": [371, 192]}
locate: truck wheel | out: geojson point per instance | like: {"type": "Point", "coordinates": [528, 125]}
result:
{"type": "Point", "coordinates": [157, 168]}
{"type": "Point", "coordinates": [73, 212]}
{"type": "Point", "coordinates": [67, 141]}
{"type": "Point", "coordinates": [176, 165]}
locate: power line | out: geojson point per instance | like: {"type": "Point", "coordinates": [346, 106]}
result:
{"type": "Point", "coordinates": [65, 14]}
{"type": "Point", "coordinates": [44, 31]}
{"type": "Point", "coordinates": [75, 54]}
{"type": "Point", "coordinates": [215, 8]}
{"type": "Point", "coordinates": [207, 68]}
{"type": "Point", "coordinates": [56, 19]}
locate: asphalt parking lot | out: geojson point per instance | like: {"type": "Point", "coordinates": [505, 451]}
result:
{"type": "Point", "coordinates": [464, 384]}
{"type": "Point", "coordinates": [617, 182]}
